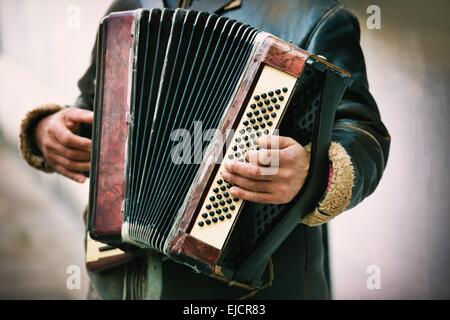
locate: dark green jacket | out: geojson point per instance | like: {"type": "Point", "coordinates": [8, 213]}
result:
{"type": "Point", "coordinates": [358, 156]}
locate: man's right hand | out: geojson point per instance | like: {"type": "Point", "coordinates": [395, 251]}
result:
{"type": "Point", "coordinates": [68, 153]}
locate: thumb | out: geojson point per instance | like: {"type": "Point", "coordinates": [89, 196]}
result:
{"type": "Point", "coordinates": [78, 115]}
{"type": "Point", "coordinates": [275, 142]}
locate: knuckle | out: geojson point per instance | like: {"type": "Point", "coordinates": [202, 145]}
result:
{"type": "Point", "coordinates": [256, 171]}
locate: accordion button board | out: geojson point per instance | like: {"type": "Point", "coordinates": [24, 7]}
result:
{"type": "Point", "coordinates": [261, 117]}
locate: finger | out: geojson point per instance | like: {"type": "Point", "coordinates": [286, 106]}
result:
{"type": "Point", "coordinates": [245, 183]}
{"type": "Point", "coordinates": [252, 196]}
{"type": "Point", "coordinates": [70, 165]}
{"type": "Point", "coordinates": [263, 157]}
{"type": "Point", "coordinates": [275, 142]}
{"type": "Point", "coordinates": [248, 170]}
{"type": "Point", "coordinates": [78, 115]}
{"type": "Point", "coordinates": [70, 140]}
{"type": "Point", "coordinates": [71, 175]}
{"type": "Point", "coordinates": [69, 153]}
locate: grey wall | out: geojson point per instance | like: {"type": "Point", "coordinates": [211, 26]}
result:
{"type": "Point", "coordinates": [402, 228]}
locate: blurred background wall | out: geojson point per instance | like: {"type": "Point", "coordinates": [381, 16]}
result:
{"type": "Point", "coordinates": [401, 231]}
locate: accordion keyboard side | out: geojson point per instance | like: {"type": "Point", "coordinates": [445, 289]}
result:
{"type": "Point", "coordinates": [260, 117]}
{"type": "Point", "coordinates": [269, 51]}
{"type": "Point", "coordinates": [107, 188]}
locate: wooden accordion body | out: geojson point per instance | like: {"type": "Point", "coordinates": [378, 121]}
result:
{"type": "Point", "coordinates": [162, 70]}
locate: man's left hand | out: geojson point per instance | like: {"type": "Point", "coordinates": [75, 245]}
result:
{"type": "Point", "coordinates": [258, 180]}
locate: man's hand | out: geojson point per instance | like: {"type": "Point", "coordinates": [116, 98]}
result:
{"type": "Point", "coordinates": [256, 181]}
{"type": "Point", "coordinates": [66, 152]}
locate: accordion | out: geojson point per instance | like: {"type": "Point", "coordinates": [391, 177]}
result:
{"type": "Point", "coordinates": [163, 75]}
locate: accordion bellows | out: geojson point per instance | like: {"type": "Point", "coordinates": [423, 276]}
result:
{"type": "Point", "coordinates": [162, 71]}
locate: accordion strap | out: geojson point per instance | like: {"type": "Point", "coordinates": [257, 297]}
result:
{"type": "Point", "coordinates": [268, 284]}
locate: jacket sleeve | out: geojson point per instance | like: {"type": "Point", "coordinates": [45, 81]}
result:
{"type": "Point", "coordinates": [360, 141]}
{"type": "Point", "coordinates": [27, 143]}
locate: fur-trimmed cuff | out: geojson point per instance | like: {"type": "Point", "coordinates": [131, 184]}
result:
{"type": "Point", "coordinates": [27, 143]}
{"type": "Point", "coordinates": [339, 191]}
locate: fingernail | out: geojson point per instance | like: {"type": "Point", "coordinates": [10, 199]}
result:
{"type": "Point", "coordinates": [225, 175]}
{"type": "Point", "coordinates": [233, 190]}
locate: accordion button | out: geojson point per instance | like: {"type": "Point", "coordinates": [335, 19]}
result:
{"type": "Point", "coordinates": [212, 198]}
{"type": "Point", "coordinates": [229, 185]}
{"type": "Point", "coordinates": [232, 207]}
{"type": "Point", "coordinates": [222, 203]}
{"type": "Point", "coordinates": [262, 125]}
{"type": "Point", "coordinates": [242, 131]}
{"type": "Point", "coordinates": [256, 127]}
{"type": "Point", "coordinates": [215, 190]}
{"type": "Point", "coordinates": [281, 98]}
{"type": "Point", "coordinates": [235, 148]}
{"type": "Point", "coordinates": [211, 213]}
{"type": "Point", "coordinates": [269, 123]}
{"type": "Point", "coordinates": [259, 119]}
{"type": "Point", "coordinates": [245, 123]}
{"type": "Point", "coordinates": [241, 146]}
{"type": "Point", "coordinates": [253, 106]}
{"type": "Point", "coordinates": [266, 116]}
{"type": "Point", "coordinates": [235, 200]}
{"type": "Point", "coordinates": [245, 138]}
{"type": "Point", "coordinates": [278, 91]}
{"type": "Point", "coordinates": [270, 93]}
{"type": "Point", "coordinates": [277, 106]}
{"type": "Point", "coordinates": [229, 201]}
{"type": "Point", "coordinates": [274, 100]}
{"type": "Point", "coordinates": [285, 89]}
{"type": "Point", "coordinates": [256, 97]}
{"type": "Point", "coordinates": [221, 218]}
{"type": "Point", "coordinates": [214, 220]}
{"type": "Point", "coordinates": [248, 129]}
{"type": "Point", "coordinates": [208, 221]}
{"type": "Point", "coordinates": [220, 181]}
{"type": "Point", "coordinates": [252, 135]}
{"type": "Point", "coordinates": [263, 110]}
{"type": "Point", "coordinates": [249, 114]}
{"type": "Point", "coordinates": [219, 196]}
{"type": "Point", "coordinates": [258, 134]}
{"type": "Point", "coordinates": [204, 215]}
{"type": "Point", "coordinates": [218, 211]}
{"type": "Point", "coordinates": [247, 144]}
{"type": "Point", "coordinates": [225, 209]}
{"type": "Point", "coordinates": [238, 139]}
{"type": "Point", "coordinates": [260, 104]}
{"type": "Point", "coordinates": [253, 121]}
{"type": "Point", "coordinates": [201, 223]}
{"type": "Point", "coordinates": [266, 131]}
{"type": "Point", "coordinates": [215, 204]}
{"type": "Point", "coordinates": [230, 156]}
{"type": "Point", "coordinates": [267, 101]}
{"type": "Point", "coordinates": [273, 114]}
{"type": "Point", "coordinates": [228, 216]}
{"type": "Point", "coordinates": [237, 154]}
{"type": "Point", "coordinates": [256, 112]}
{"type": "Point", "coordinates": [226, 195]}
{"type": "Point", "coordinates": [270, 108]}
{"type": "Point", "coordinates": [208, 207]}
{"type": "Point", "coordinates": [263, 95]}
{"type": "Point", "coordinates": [223, 188]}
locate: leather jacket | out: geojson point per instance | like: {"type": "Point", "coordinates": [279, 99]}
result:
{"type": "Point", "coordinates": [358, 156]}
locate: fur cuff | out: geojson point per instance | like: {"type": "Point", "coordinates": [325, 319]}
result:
{"type": "Point", "coordinates": [339, 191]}
{"type": "Point", "coordinates": [27, 144]}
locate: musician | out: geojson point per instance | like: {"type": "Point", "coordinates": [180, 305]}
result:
{"type": "Point", "coordinates": [54, 139]}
